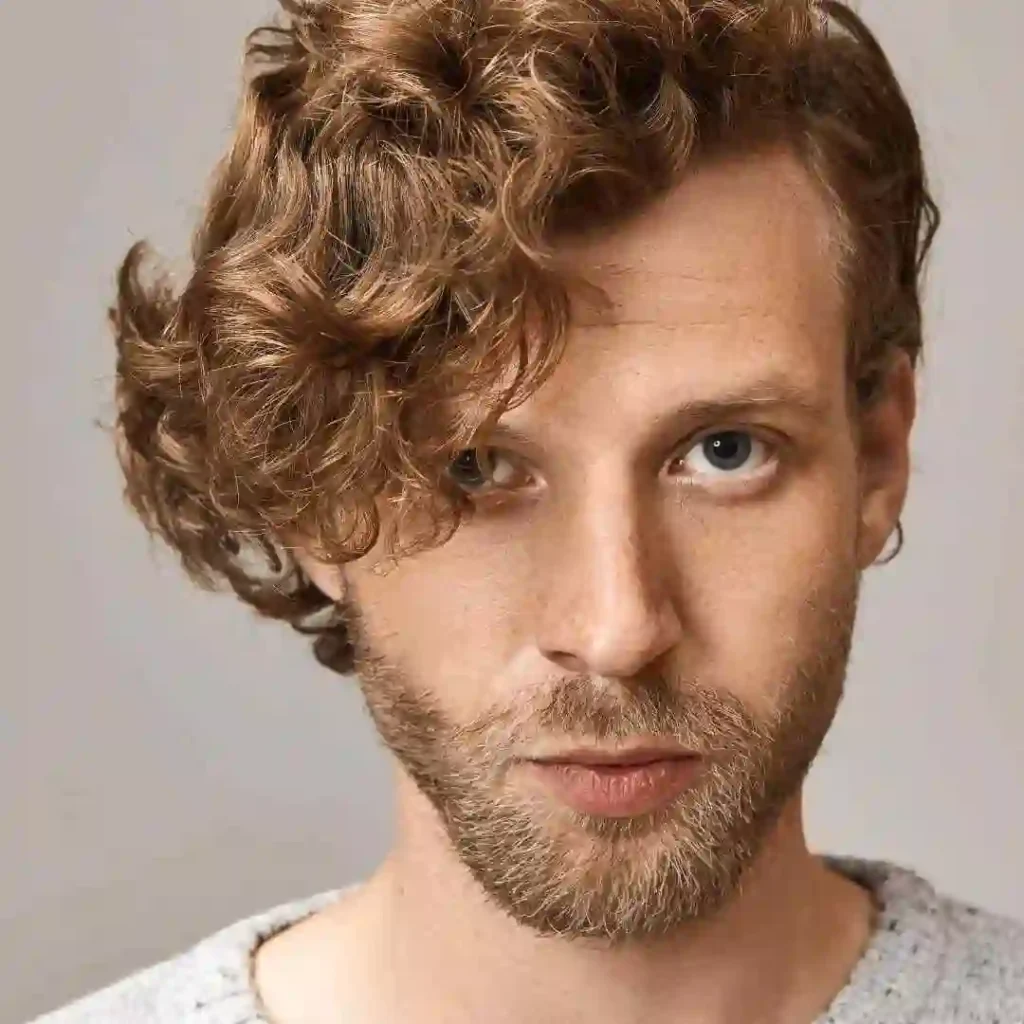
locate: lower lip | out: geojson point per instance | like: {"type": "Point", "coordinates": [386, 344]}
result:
{"type": "Point", "coordinates": [618, 791]}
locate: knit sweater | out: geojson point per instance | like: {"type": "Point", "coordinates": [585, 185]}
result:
{"type": "Point", "coordinates": [931, 960]}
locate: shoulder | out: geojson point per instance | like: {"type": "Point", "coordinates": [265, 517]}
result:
{"type": "Point", "coordinates": [983, 974]}
{"type": "Point", "coordinates": [933, 958]}
{"type": "Point", "coordinates": [210, 983]}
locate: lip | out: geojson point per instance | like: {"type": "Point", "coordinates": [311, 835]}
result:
{"type": "Point", "coordinates": [619, 788]}
{"type": "Point", "coordinates": [631, 756]}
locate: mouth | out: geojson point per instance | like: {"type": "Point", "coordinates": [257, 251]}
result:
{"type": "Point", "coordinates": [616, 783]}
{"type": "Point", "coordinates": [634, 757]}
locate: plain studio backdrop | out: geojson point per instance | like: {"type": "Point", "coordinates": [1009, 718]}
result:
{"type": "Point", "coordinates": [170, 763]}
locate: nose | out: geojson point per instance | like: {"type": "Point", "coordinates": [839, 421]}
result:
{"type": "Point", "coordinates": [605, 597]}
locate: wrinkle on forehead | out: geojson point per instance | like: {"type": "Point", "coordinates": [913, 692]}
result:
{"type": "Point", "coordinates": [757, 222]}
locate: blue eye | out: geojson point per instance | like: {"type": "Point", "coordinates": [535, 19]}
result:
{"type": "Point", "coordinates": [464, 463]}
{"type": "Point", "coordinates": [726, 453]}
{"type": "Point", "coordinates": [475, 468]}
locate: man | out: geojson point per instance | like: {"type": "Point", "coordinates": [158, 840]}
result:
{"type": "Point", "coordinates": [553, 363]}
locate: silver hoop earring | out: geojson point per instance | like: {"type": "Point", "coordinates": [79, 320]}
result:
{"type": "Point", "coordinates": [885, 560]}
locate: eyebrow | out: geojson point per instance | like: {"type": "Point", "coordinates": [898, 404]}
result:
{"type": "Point", "coordinates": [769, 394]}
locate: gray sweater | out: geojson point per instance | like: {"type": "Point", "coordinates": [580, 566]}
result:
{"type": "Point", "coordinates": [932, 960]}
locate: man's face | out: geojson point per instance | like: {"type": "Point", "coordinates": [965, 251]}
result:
{"type": "Point", "coordinates": [669, 553]}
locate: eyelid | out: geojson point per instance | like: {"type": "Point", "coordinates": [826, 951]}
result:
{"type": "Point", "coordinates": [756, 429]}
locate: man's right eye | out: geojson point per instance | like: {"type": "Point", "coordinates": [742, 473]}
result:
{"type": "Point", "coordinates": [474, 469]}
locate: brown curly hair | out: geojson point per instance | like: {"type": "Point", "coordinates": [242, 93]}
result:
{"type": "Point", "coordinates": [380, 239]}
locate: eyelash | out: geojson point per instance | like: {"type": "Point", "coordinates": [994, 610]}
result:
{"type": "Point", "coordinates": [773, 445]}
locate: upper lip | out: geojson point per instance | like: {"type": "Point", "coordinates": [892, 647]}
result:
{"type": "Point", "coordinates": [634, 755]}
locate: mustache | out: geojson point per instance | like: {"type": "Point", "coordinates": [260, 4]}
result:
{"type": "Point", "coordinates": [693, 715]}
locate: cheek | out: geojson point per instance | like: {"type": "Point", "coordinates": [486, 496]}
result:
{"type": "Point", "coordinates": [756, 582]}
{"type": "Point", "coordinates": [447, 621]}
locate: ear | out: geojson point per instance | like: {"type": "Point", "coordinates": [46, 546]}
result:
{"type": "Point", "coordinates": [327, 578]}
{"type": "Point", "coordinates": [884, 458]}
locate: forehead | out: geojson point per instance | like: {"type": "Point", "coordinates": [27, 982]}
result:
{"type": "Point", "coordinates": [728, 281]}
{"type": "Point", "coordinates": [751, 229]}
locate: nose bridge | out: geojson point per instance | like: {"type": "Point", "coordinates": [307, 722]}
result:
{"type": "Point", "coordinates": [604, 586]}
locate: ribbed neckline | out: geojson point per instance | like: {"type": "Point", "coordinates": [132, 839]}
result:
{"type": "Point", "coordinates": [898, 971]}
{"type": "Point", "coordinates": [897, 975]}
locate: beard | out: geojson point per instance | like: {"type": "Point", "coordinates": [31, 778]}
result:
{"type": "Point", "coordinates": [575, 875]}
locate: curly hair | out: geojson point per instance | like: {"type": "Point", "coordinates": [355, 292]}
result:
{"type": "Point", "coordinates": [381, 238]}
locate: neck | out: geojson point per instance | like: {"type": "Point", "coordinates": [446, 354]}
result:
{"type": "Point", "coordinates": [780, 950]}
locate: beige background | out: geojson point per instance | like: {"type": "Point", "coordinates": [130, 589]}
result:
{"type": "Point", "coordinates": [169, 764]}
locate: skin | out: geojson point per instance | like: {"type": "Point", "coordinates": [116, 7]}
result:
{"type": "Point", "coordinates": [620, 586]}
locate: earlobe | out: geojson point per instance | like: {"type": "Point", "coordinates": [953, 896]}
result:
{"type": "Point", "coordinates": [884, 457]}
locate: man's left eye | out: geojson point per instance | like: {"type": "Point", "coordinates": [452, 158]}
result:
{"type": "Point", "coordinates": [727, 453]}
